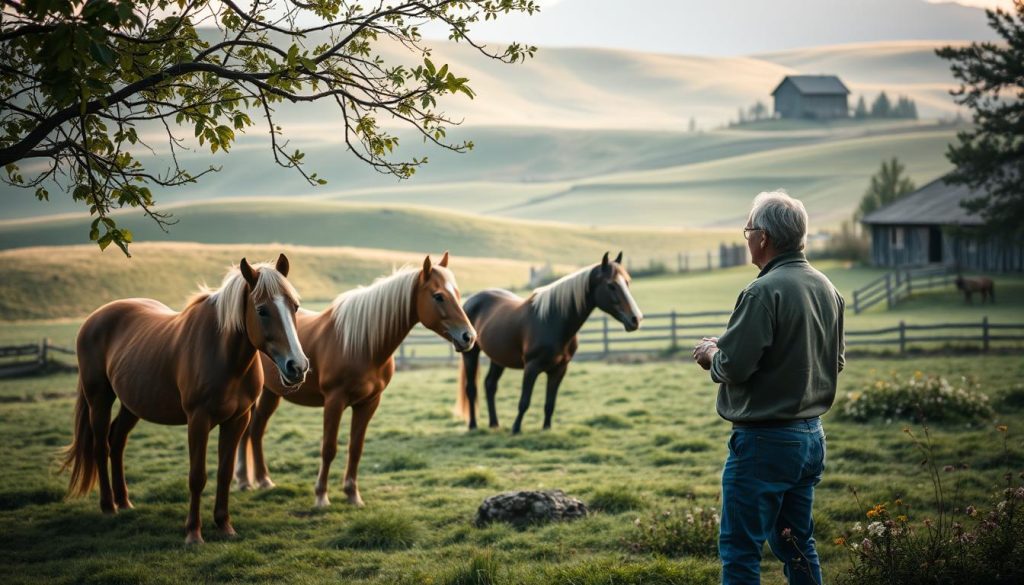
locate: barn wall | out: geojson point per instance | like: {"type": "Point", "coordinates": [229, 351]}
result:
{"type": "Point", "coordinates": [971, 253]}
{"type": "Point", "coordinates": [787, 101]}
{"type": "Point", "coordinates": [825, 106]}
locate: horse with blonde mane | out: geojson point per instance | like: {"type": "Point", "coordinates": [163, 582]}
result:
{"type": "Point", "coordinates": [538, 334]}
{"type": "Point", "coordinates": [350, 347]}
{"type": "Point", "coordinates": [199, 367]}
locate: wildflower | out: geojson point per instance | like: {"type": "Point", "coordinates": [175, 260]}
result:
{"type": "Point", "coordinates": [876, 529]}
{"type": "Point", "coordinates": [840, 541]}
{"type": "Point", "coordinates": [1001, 428]}
{"type": "Point", "coordinates": [902, 518]}
{"type": "Point", "coordinates": [689, 518]}
{"type": "Point", "coordinates": [866, 545]}
{"type": "Point", "coordinates": [899, 502]}
{"type": "Point", "coordinates": [858, 528]}
{"type": "Point", "coordinates": [927, 522]}
{"type": "Point", "coordinates": [716, 519]}
{"type": "Point", "coordinates": [971, 511]}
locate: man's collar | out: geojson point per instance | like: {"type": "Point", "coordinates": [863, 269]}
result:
{"type": "Point", "coordinates": [786, 258]}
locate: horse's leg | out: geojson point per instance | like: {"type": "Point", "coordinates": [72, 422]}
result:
{"type": "Point", "coordinates": [101, 401]}
{"type": "Point", "coordinates": [242, 453]}
{"type": "Point", "coordinates": [123, 424]}
{"type": "Point", "coordinates": [555, 377]}
{"type": "Point", "coordinates": [264, 409]}
{"type": "Point", "coordinates": [333, 407]}
{"type": "Point", "coordinates": [491, 387]}
{"type": "Point", "coordinates": [198, 436]}
{"type": "Point", "coordinates": [470, 364]}
{"type": "Point", "coordinates": [230, 432]}
{"type": "Point", "coordinates": [361, 415]}
{"type": "Point", "coordinates": [530, 373]}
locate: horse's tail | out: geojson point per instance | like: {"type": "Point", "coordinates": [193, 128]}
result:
{"type": "Point", "coordinates": [80, 454]}
{"type": "Point", "coordinates": [462, 400]}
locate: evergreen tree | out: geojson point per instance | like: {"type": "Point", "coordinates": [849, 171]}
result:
{"type": "Point", "coordinates": [861, 111]}
{"type": "Point", "coordinates": [888, 185]}
{"type": "Point", "coordinates": [881, 108]}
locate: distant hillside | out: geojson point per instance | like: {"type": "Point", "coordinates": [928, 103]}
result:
{"type": "Point", "coordinates": [71, 281]}
{"type": "Point", "coordinates": [413, 229]}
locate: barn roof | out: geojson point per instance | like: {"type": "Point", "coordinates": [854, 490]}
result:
{"type": "Point", "coordinates": [937, 203]}
{"type": "Point", "coordinates": [815, 84]}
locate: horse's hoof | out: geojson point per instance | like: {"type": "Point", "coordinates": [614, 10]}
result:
{"type": "Point", "coordinates": [244, 487]}
{"type": "Point", "coordinates": [125, 505]}
{"type": "Point", "coordinates": [227, 531]}
{"type": "Point", "coordinates": [356, 501]}
{"type": "Point", "coordinates": [322, 501]}
{"type": "Point", "coordinates": [265, 484]}
{"type": "Point", "coordinates": [109, 509]}
{"type": "Point", "coordinates": [194, 538]}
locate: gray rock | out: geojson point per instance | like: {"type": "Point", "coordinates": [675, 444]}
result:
{"type": "Point", "coordinates": [525, 508]}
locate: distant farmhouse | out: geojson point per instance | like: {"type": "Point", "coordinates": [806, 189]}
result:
{"type": "Point", "coordinates": [819, 97]}
{"type": "Point", "coordinates": [929, 226]}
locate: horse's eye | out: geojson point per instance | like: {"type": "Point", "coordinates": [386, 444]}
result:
{"type": "Point", "coordinates": [439, 297]}
{"type": "Point", "coordinates": [262, 311]}
{"type": "Point", "coordinates": [611, 285]}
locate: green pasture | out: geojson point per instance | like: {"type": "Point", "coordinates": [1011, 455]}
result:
{"type": "Point", "coordinates": [637, 440]}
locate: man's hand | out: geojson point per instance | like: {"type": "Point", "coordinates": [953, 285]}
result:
{"type": "Point", "coordinates": [705, 351]}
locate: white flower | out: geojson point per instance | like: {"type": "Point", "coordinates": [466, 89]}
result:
{"type": "Point", "coordinates": [858, 528]}
{"type": "Point", "coordinates": [876, 529]}
{"type": "Point", "coordinates": [716, 519]}
{"type": "Point", "coordinates": [689, 518]}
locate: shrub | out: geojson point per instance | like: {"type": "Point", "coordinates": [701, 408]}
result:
{"type": "Point", "coordinates": [959, 544]}
{"type": "Point", "coordinates": [615, 501]}
{"type": "Point", "coordinates": [690, 531]}
{"type": "Point", "coordinates": [384, 530]}
{"type": "Point", "coordinates": [920, 397]}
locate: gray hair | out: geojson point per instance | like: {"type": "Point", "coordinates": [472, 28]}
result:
{"type": "Point", "coordinates": [783, 217]}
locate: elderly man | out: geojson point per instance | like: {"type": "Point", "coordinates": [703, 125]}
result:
{"type": "Point", "coordinates": [777, 365]}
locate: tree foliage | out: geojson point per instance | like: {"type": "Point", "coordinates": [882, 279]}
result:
{"type": "Point", "coordinates": [888, 185]}
{"type": "Point", "coordinates": [83, 84]}
{"type": "Point", "coordinates": [989, 158]}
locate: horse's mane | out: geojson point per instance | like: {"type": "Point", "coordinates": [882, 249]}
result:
{"type": "Point", "coordinates": [365, 317]}
{"type": "Point", "coordinates": [566, 293]}
{"type": "Point", "coordinates": [229, 298]}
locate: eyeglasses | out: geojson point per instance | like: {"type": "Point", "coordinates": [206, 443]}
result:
{"type": "Point", "coordinates": [746, 231]}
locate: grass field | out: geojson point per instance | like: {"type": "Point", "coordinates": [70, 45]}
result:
{"type": "Point", "coordinates": [637, 439]}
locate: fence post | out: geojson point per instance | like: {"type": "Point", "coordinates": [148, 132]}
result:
{"type": "Point", "coordinates": [888, 289]}
{"type": "Point", "coordinates": [903, 337]}
{"type": "Point", "coordinates": [401, 354]}
{"type": "Point", "coordinates": [910, 284]}
{"type": "Point", "coordinates": [679, 261]}
{"type": "Point", "coordinates": [675, 341]}
{"type": "Point", "coordinates": [709, 260]}
{"type": "Point", "coordinates": [984, 333]}
{"type": "Point", "coordinates": [604, 334]}
{"type": "Point", "coordinates": [856, 302]}
{"type": "Point", "coordinates": [43, 351]}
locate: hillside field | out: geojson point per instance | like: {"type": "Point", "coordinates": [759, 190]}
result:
{"type": "Point", "coordinates": [633, 441]}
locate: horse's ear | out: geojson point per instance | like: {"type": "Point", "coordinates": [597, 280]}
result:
{"type": "Point", "coordinates": [604, 260]}
{"type": "Point", "coordinates": [618, 259]}
{"type": "Point", "coordinates": [444, 260]}
{"type": "Point", "coordinates": [248, 273]}
{"type": "Point", "coordinates": [283, 265]}
{"type": "Point", "coordinates": [427, 268]}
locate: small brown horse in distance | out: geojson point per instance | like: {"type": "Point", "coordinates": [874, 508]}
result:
{"type": "Point", "coordinates": [538, 334]}
{"type": "Point", "coordinates": [199, 367]}
{"type": "Point", "coordinates": [350, 347]}
{"type": "Point", "coordinates": [980, 284]}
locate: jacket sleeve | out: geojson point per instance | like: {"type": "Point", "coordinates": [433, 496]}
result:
{"type": "Point", "coordinates": [842, 334]}
{"type": "Point", "coordinates": [748, 335]}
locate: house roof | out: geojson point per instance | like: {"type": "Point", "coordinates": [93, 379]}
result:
{"type": "Point", "coordinates": [815, 85]}
{"type": "Point", "coordinates": [937, 203]}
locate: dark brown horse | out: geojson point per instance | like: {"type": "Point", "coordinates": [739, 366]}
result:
{"type": "Point", "coordinates": [350, 347]}
{"type": "Point", "coordinates": [200, 367]}
{"type": "Point", "coordinates": [980, 284]}
{"type": "Point", "coordinates": [538, 334]}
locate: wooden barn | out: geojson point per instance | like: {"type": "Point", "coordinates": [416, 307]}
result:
{"type": "Point", "coordinates": [819, 97]}
{"type": "Point", "coordinates": [929, 226]}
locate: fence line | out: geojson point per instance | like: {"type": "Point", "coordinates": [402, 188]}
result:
{"type": "Point", "coordinates": [897, 285]}
{"type": "Point", "coordinates": [662, 333]}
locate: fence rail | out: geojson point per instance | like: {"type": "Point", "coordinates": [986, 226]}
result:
{"type": "Point", "coordinates": [899, 284]}
{"type": "Point", "coordinates": [662, 333]}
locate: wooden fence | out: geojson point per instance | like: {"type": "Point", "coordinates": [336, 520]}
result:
{"type": "Point", "coordinates": [899, 284]}
{"type": "Point", "coordinates": [28, 358]}
{"type": "Point", "coordinates": [603, 338]}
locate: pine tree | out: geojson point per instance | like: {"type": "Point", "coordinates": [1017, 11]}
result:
{"type": "Point", "coordinates": [861, 111]}
{"type": "Point", "coordinates": [881, 108]}
{"type": "Point", "coordinates": [888, 185]}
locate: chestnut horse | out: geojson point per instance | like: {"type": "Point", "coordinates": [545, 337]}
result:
{"type": "Point", "coordinates": [979, 284]}
{"type": "Point", "coordinates": [350, 347]}
{"type": "Point", "coordinates": [199, 367]}
{"type": "Point", "coordinates": [538, 334]}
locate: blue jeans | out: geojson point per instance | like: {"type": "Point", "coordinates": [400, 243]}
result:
{"type": "Point", "coordinates": [767, 488]}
